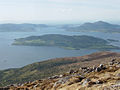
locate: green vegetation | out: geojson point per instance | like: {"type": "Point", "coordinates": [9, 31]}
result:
{"type": "Point", "coordinates": [34, 71]}
{"type": "Point", "coordinates": [67, 42]}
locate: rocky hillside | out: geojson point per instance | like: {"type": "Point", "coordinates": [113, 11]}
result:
{"type": "Point", "coordinates": [97, 71]}
{"type": "Point", "coordinates": [105, 76]}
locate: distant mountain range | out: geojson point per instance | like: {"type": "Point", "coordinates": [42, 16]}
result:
{"type": "Point", "coordinates": [26, 27]}
{"type": "Point", "coordinates": [99, 26]}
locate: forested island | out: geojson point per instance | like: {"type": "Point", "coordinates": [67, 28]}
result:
{"type": "Point", "coordinates": [67, 42]}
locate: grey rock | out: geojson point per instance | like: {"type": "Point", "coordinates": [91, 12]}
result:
{"type": "Point", "coordinates": [101, 66]}
{"type": "Point", "coordinates": [113, 60]}
{"type": "Point", "coordinates": [118, 75]}
{"type": "Point", "coordinates": [89, 70]}
{"type": "Point", "coordinates": [99, 82]}
{"type": "Point", "coordinates": [22, 85]}
{"type": "Point", "coordinates": [53, 77]}
{"type": "Point", "coordinates": [116, 86]}
{"type": "Point", "coordinates": [98, 69]}
{"type": "Point", "coordinates": [111, 63]}
{"type": "Point", "coordinates": [62, 81]}
{"type": "Point", "coordinates": [86, 81]}
{"type": "Point", "coordinates": [71, 71]}
{"type": "Point", "coordinates": [83, 67]}
{"type": "Point", "coordinates": [60, 76]}
{"type": "Point", "coordinates": [36, 85]}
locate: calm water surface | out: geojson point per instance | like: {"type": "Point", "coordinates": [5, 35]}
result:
{"type": "Point", "coordinates": [18, 56]}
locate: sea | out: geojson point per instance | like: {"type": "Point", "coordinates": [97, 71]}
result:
{"type": "Point", "coordinates": [12, 56]}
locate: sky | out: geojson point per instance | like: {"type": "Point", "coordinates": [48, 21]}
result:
{"type": "Point", "coordinates": [39, 11]}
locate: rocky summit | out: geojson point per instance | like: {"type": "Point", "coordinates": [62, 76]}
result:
{"type": "Point", "coordinates": [103, 76]}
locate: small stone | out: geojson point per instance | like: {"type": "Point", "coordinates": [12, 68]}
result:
{"type": "Point", "coordinates": [101, 65]}
{"type": "Point", "coordinates": [35, 86]}
{"type": "Point", "coordinates": [53, 77]}
{"type": "Point", "coordinates": [116, 86]}
{"type": "Point", "coordinates": [83, 67]}
{"type": "Point", "coordinates": [118, 75]}
{"type": "Point", "coordinates": [113, 60]}
{"type": "Point", "coordinates": [62, 80]}
{"type": "Point", "coordinates": [61, 76]}
{"type": "Point", "coordinates": [71, 71]}
{"type": "Point", "coordinates": [99, 82]}
{"type": "Point", "coordinates": [86, 81]}
{"type": "Point", "coordinates": [98, 69]}
{"type": "Point", "coordinates": [111, 63]}
{"type": "Point", "coordinates": [90, 70]}
{"type": "Point", "coordinates": [94, 67]}
{"type": "Point", "coordinates": [22, 85]}
{"type": "Point", "coordinates": [56, 76]}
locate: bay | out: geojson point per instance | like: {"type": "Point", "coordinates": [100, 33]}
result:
{"type": "Point", "coordinates": [18, 56]}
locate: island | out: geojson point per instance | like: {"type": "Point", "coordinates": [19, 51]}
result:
{"type": "Point", "coordinates": [67, 42]}
{"type": "Point", "coordinates": [25, 27]}
{"type": "Point", "coordinates": [99, 26]}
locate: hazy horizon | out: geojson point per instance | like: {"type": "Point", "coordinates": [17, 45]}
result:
{"type": "Point", "coordinates": [56, 22]}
